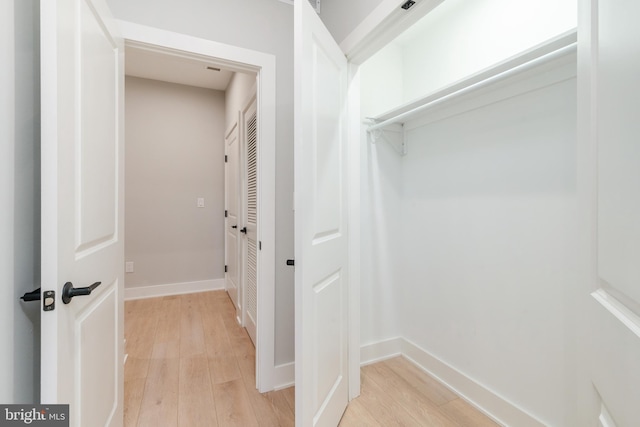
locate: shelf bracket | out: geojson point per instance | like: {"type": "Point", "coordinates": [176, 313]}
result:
{"type": "Point", "coordinates": [394, 134]}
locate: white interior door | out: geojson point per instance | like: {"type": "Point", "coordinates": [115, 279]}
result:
{"type": "Point", "coordinates": [82, 210]}
{"type": "Point", "coordinates": [321, 242]}
{"type": "Point", "coordinates": [232, 196]}
{"type": "Point", "coordinates": [613, 332]}
{"type": "Point", "coordinates": [250, 219]}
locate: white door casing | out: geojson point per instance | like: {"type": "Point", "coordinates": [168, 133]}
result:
{"type": "Point", "coordinates": [82, 82]}
{"type": "Point", "coordinates": [609, 65]}
{"type": "Point", "coordinates": [233, 240]}
{"type": "Point", "coordinates": [321, 212]}
{"type": "Point", "coordinates": [250, 243]}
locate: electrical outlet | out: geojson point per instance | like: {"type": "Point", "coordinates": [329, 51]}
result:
{"type": "Point", "coordinates": [128, 267]}
{"type": "Point", "coordinates": [200, 202]}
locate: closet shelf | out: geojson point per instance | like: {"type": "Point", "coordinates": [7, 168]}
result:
{"type": "Point", "coordinates": [390, 126]}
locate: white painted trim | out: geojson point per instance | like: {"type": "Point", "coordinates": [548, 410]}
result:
{"type": "Point", "coordinates": [621, 312]}
{"type": "Point", "coordinates": [381, 26]}
{"type": "Point", "coordinates": [381, 350]}
{"type": "Point", "coordinates": [353, 135]}
{"type": "Point", "coordinates": [284, 376]}
{"type": "Point", "coordinates": [240, 59]}
{"type": "Point", "coordinates": [482, 398]}
{"type": "Point", "coordinates": [140, 292]}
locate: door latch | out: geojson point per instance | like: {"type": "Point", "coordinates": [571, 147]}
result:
{"type": "Point", "coordinates": [48, 300]}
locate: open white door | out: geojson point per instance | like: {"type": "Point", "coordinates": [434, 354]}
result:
{"type": "Point", "coordinates": [82, 211]}
{"type": "Point", "coordinates": [610, 66]}
{"type": "Point", "coordinates": [321, 242]}
{"type": "Point", "coordinates": [232, 197]}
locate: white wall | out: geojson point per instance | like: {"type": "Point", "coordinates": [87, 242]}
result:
{"type": "Point", "coordinates": [265, 26]}
{"type": "Point", "coordinates": [342, 17]}
{"type": "Point", "coordinates": [241, 87]}
{"type": "Point", "coordinates": [19, 186]}
{"type": "Point", "coordinates": [381, 206]}
{"type": "Point", "coordinates": [489, 225]}
{"type": "Point", "coordinates": [477, 224]}
{"type": "Point", "coordinates": [7, 126]}
{"type": "Point", "coordinates": [175, 154]}
{"type": "Point", "coordinates": [458, 39]}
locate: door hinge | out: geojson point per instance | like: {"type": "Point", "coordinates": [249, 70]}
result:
{"type": "Point", "coordinates": [226, 213]}
{"type": "Point", "coordinates": [226, 269]}
{"type": "Point", "coordinates": [226, 158]}
{"type": "Point", "coordinates": [259, 245]}
{"type": "Point", "coordinates": [291, 262]}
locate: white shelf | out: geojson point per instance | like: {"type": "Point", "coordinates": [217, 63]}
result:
{"type": "Point", "coordinates": [390, 126]}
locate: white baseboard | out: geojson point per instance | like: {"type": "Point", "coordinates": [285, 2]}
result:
{"type": "Point", "coordinates": [173, 289]}
{"type": "Point", "coordinates": [284, 376]}
{"type": "Point", "coordinates": [381, 350]}
{"type": "Point", "coordinates": [485, 400]}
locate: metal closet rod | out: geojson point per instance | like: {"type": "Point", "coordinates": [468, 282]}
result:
{"type": "Point", "coordinates": [478, 85]}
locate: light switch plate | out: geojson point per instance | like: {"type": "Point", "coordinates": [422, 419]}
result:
{"type": "Point", "coordinates": [128, 267]}
{"type": "Point", "coordinates": [200, 202]}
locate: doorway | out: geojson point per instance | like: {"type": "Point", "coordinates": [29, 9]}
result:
{"type": "Point", "coordinates": [217, 55]}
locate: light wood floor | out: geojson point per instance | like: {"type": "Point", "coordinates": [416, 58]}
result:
{"type": "Point", "coordinates": [190, 364]}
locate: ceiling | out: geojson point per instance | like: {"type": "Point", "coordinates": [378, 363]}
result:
{"type": "Point", "coordinates": [186, 71]}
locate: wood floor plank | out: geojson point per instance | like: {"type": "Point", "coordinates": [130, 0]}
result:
{"type": "Point", "coordinates": [140, 344]}
{"type": "Point", "coordinates": [195, 396]}
{"type": "Point", "coordinates": [263, 407]}
{"type": "Point", "coordinates": [136, 368]}
{"type": "Point", "coordinates": [191, 364]}
{"type": "Point", "coordinates": [385, 409]}
{"type": "Point", "coordinates": [232, 405]}
{"type": "Point", "coordinates": [168, 333]}
{"type": "Point", "coordinates": [191, 328]}
{"type": "Point", "coordinates": [159, 406]}
{"type": "Point", "coordinates": [413, 402]}
{"type": "Point", "coordinates": [290, 395]}
{"type": "Point", "coordinates": [427, 385]}
{"type": "Point", "coordinates": [466, 415]}
{"type": "Point", "coordinates": [282, 407]}
{"type": "Point", "coordinates": [133, 391]}
{"type": "Point", "coordinates": [357, 415]}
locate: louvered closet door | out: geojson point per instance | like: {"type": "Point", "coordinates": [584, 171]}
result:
{"type": "Point", "coordinates": [250, 245]}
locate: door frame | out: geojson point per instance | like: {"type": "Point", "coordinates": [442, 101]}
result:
{"type": "Point", "coordinates": [264, 65]}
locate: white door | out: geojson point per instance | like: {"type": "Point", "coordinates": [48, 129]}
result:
{"type": "Point", "coordinates": [232, 197]}
{"type": "Point", "coordinates": [250, 219]}
{"type": "Point", "coordinates": [82, 211]}
{"type": "Point", "coordinates": [610, 71]}
{"type": "Point", "coordinates": [321, 236]}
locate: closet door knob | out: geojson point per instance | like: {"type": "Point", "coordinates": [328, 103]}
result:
{"type": "Point", "coordinates": [234, 226]}
{"type": "Point", "coordinates": [244, 230]}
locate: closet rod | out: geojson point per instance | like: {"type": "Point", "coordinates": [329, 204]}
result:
{"type": "Point", "coordinates": [482, 83]}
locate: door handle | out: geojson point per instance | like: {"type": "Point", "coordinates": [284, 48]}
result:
{"type": "Point", "coordinates": [68, 291]}
{"type": "Point", "coordinates": [234, 226]}
{"type": "Point", "coordinates": [31, 296]}
{"type": "Point", "coordinates": [244, 230]}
